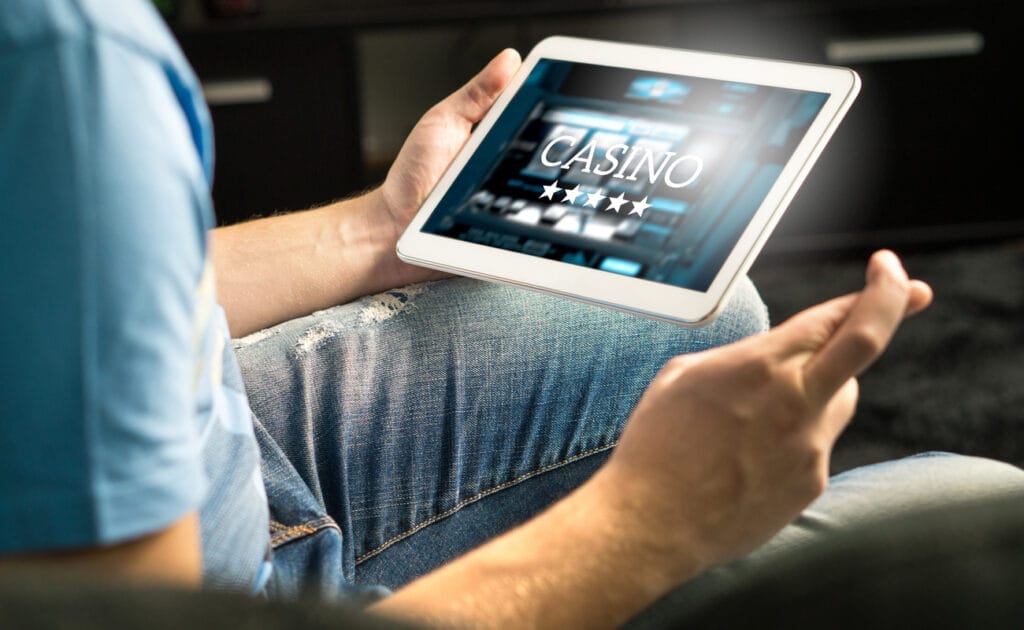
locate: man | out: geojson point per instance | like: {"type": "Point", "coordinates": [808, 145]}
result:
{"type": "Point", "coordinates": [460, 444]}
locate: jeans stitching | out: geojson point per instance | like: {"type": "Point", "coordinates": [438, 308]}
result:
{"type": "Point", "coordinates": [281, 533]}
{"type": "Point", "coordinates": [476, 497]}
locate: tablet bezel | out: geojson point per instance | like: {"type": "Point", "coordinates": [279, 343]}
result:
{"type": "Point", "coordinates": [636, 295]}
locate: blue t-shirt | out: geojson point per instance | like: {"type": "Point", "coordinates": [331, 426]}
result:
{"type": "Point", "coordinates": [121, 404]}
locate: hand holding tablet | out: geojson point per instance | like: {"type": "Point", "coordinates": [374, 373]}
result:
{"type": "Point", "coordinates": [638, 178]}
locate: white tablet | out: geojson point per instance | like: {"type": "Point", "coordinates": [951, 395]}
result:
{"type": "Point", "coordinates": [639, 178]}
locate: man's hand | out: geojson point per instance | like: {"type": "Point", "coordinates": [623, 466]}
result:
{"type": "Point", "coordinates": [433, 144]}
{"type": "Point", "coordinates": [274, 269]}
{"type": "Point", "coordinates": [727, 446]}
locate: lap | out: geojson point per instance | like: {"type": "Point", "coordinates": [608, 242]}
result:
{"type": "Point", "coordinates": [402, 409]}
{"type": "Point", "coordinates": [425, 420]}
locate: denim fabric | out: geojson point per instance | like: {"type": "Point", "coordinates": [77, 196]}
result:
{"type": "Point", "coordinates": [405, 428]}
{"type": "Point", "coordinates": [401, 430]}
{"type": "Point", "coordinates": [233, 515]}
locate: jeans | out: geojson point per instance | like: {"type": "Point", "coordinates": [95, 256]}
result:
{"type": "Point", "coordinates": [403, 429]}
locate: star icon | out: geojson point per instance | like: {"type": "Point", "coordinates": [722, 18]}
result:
{"type": "Point", "coordinates": [614, 203]}
{"type": "Point", "coordinates": [571, 195]}
{"type": "Point", "coordinates": [640, 206]}
{"type": "Point", "coordinates": [593, 199]}
{"type": "Point", "coordinates": [550, 191]}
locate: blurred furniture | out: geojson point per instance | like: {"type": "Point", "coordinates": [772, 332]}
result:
{"type": "Point", "coordinates": [918, 162]}
{"type": "Point", "coordinates": [956, 566]}
{"type": "Point", "coordinates": [285, 114]}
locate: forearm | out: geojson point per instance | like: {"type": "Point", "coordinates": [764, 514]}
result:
{"type": "Point", "coordinates": [278, 268]}
{"type": "Point", "coordinates": [170, 557]}
{"type": "Point", "coordinates": [589, 561]}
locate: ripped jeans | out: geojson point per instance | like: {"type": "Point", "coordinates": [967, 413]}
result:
{"type": "Point", "coordinates": [404, 429]}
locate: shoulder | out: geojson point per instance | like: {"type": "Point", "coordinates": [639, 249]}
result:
{"type": "Point", "coordinates": [26, 22]}
{"type": "Point", "coordinates": [95, 58]}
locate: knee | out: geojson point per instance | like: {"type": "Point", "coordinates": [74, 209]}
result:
{"type": "Point", "coordinates": [895, 490]}
{"type": "Point", "coordinates": [935, 478]}
{"type": "Point", "coordinates": [572, 330]}
{"type": "Point", "coordinates": [744, 314]}
{"type": "Point", "coordinates": [920, 482]}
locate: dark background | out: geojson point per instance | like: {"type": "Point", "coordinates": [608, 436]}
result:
{"type": "Point", "coordinates": [922, 164]}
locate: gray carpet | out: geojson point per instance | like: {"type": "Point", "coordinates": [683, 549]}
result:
{"type": "Point", "coordinates": [953, 378]}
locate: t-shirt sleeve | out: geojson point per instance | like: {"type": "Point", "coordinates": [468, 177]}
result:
{"type": "Point", "coordinates": [102, 248]}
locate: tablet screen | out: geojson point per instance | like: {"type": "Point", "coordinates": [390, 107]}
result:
{"type": "Point", "coordinates": [630, 172]}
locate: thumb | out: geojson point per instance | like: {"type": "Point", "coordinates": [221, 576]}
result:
{"type": "Point", "coordinates": [473, 99]}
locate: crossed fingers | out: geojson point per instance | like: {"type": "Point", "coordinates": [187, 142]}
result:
{"type": "Point", "coordinates": [839, 339]}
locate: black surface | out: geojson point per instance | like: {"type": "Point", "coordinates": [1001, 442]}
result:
{"type": "Point", "coordinates": [920, 159]}
{"type": "Point", "coordinates": [45, 599]}
{"type": "Point", "coordinates": [953, 377]}
{"type": "Point", "coordinates": [193, 13]}
{"type": "Point", "coordinates": [957, 566]}
{"type": "Point", "coordinates": [301, 148]}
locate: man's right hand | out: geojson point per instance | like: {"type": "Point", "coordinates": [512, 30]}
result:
{"type": "Point", "coordinates": [723, 450]}
{"type": "Point", "coordinates": [727, 446]}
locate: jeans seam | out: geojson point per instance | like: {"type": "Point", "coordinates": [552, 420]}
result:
{"type": "Point", "coordinates": [476, 497]}
{"type": "Point", "coordinates": [281, 534]}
